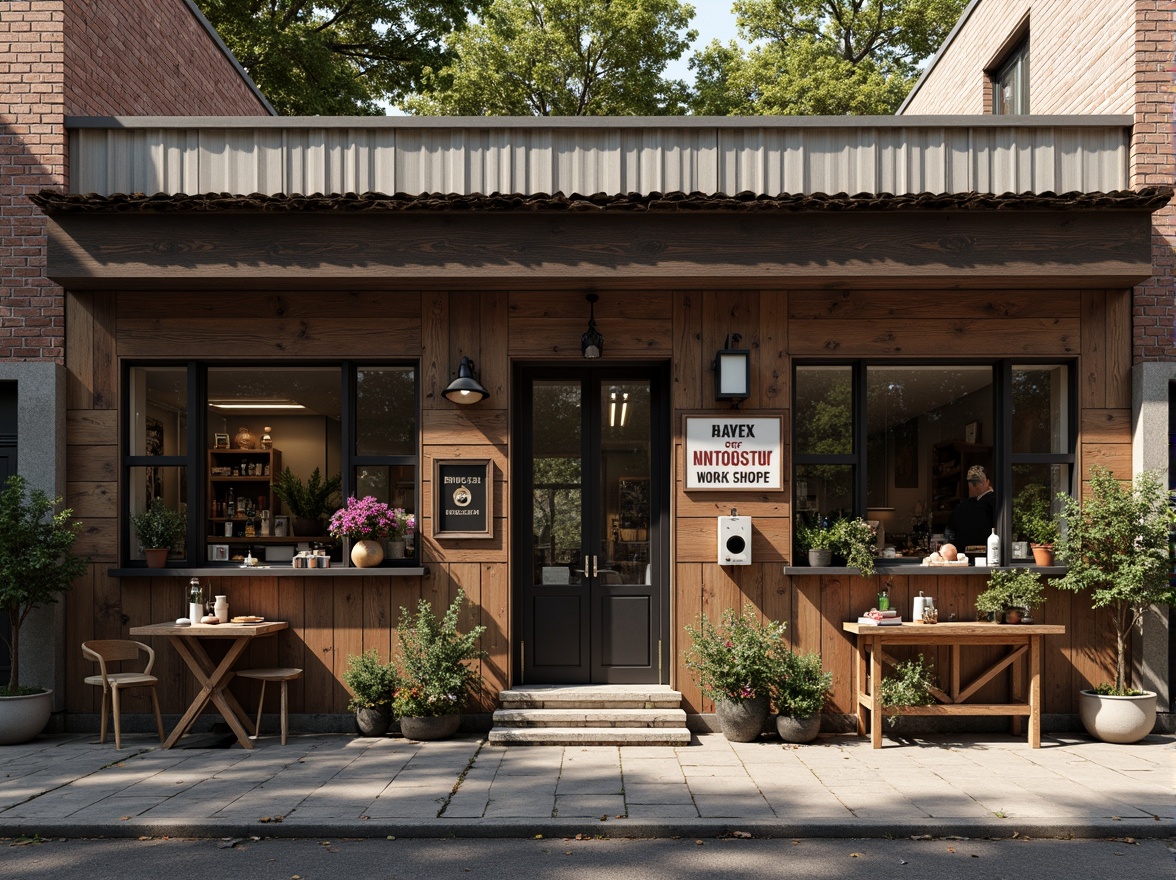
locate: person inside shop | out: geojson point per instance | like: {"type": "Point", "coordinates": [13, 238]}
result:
{"type": "Point", "coordinates": [974, 518]}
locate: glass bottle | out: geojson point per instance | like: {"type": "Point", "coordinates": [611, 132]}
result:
{"type": "Point", "coordinates": [231, 504]}
{"type": "Point", "coordinates": [992, 557]}
{"type": "Point", "coordinates": [195, 600]}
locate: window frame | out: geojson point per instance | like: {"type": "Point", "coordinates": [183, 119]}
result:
{"type": "Point", "coordinates": [196, 459]}
{"type": "Point", "coordinates": [1004, 458]}
{"type": "Point", "coordinates": [1014, 56]}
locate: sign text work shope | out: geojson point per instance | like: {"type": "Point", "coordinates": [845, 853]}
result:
{"type": "Point", "coordinates": [734, 452]}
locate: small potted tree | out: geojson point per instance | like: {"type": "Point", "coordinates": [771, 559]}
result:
{"type": "Point", "coordinates": [434, 678]}
{"type": "Point", "coordinates": [800, 694]}
{"type": "Point", "coordinates": [817, 541]}
{"type": "Point", "coordinates": [1115, 546]}
{"type": "Point", "coordinates": [1011, 593]}
{"type": "Point", "coordinates": [372, 683]}
{"type": "Point", "coordinates": [306, 502]}
{"type": "Point", "coordinates": [736, 664]}
{"type": "Point", "coordinates": [37, 564]}
{"type": "Point", "coordinates": [1034, 521]}
{"type": "Point", "coordinates": [160, 529]}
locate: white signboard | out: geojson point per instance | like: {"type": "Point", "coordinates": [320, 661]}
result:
{"type": "Point", "coordinates": [737, 453]}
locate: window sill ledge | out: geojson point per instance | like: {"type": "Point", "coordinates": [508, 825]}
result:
{"type": "Point", "coordinates": [275, 571]}
{"type": "Point", "coordinates": [914, 569]}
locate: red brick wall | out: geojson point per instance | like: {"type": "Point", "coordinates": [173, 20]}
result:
{"type": "Point", "coordinates": [32, 155]}
{"type": "Point", "coordinates": [1153, 162]}
{"type": "Point", "coordinates": [85, 57]}
{"type": "Point", "coordinates": [148, 58]}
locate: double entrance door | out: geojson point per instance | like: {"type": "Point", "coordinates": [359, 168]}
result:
{"type": "Point", "coordinates": [590, 510]}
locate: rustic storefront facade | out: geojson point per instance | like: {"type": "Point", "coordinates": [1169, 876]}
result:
{"type": "Point", "coordinates": [830, 294]}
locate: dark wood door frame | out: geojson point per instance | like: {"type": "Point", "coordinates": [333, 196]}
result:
{"type": "Point", "coordinates": [660, 487]}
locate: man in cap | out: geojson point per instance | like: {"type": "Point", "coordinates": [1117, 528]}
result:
{"type": "Point", "coordinates": [974, 518]}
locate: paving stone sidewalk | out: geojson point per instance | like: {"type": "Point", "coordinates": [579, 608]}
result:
{"type": "Point", "coordinates": [332, 785]}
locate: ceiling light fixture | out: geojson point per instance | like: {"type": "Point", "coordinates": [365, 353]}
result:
{"type": "Point", "coordinates": [592, 343]}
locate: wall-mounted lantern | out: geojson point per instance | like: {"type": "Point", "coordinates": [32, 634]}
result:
{"type": "Point", "coordinates": [732, 371]}
{"type": "Point", "coordinates": [465, 388]}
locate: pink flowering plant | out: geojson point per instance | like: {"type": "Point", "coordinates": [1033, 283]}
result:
{"type": "Point", "coordinates": [404, 524]}
{"type": "Point", "coordinates": [365, 519]}
{"type": "Point", "coordinates": [740, 659]}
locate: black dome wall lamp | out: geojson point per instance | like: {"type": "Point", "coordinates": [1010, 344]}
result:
{"type": "Point", "coordinates": [592, 343]}
{"type": "Point", "coordinates": [732, 371]}
{"type": "Point", "coordinates": [465, 388]}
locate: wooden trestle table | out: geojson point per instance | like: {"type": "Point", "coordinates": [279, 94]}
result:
{"type": "Point", "coordinates": [1023, 642]}
{"type": "Point", "coordinates": [213, 678]}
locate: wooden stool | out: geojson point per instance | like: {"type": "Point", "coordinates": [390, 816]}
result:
{"type": "Point", "coordinates": [263, 675]}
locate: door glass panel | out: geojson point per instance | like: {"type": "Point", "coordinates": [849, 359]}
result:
{"type": "Point", "coordinates": [624, 473]}
{"type": "Point", "coordinates": [557, 521]}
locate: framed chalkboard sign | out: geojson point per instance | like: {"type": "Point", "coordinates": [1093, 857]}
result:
{"type": "Point", "coordinates": [463, 498]}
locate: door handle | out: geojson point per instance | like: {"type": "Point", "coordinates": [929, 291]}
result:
{"type": "Point", "coordinates": [587, 571]}
{"type": "Point", "coordinates": [590, 567]}
{"type": "Point", "coordinates": [594, 558]}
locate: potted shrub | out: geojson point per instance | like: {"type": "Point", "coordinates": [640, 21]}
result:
{"type": "Point", "coordinates": [433, 676]}
{"type": "Point", "coordinates": [1034, 522]}
{"type": "Point", "coordinates": [307, 503]}
{"type": "Point", "coordinates": [910, 684]}
{"type": "Point", "coordinates": [1115, 546]}
{"type": "Point", "coordinates": [403, 528]}
{"type": "Point", "coordinates": [37, 564]}
{"type": "Point", "coordinates": [372, 683]}
{"type": "Point", "coordinates": [736, 664]}
{"type": "Point", "coordinates": [800, 694]}
{"type": "Point", "coordinates": [1011, 593]}
{"type": "Point", "coordinates": [817, 540]}
{"type": "Point", "coordinates": [159, 529]}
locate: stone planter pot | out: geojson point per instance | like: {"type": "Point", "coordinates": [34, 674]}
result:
{"type": "Point", "coordinates": [798, 730]}
{"type": "Point", "coordinates": [1117, 719]}
{"type": "Point", "coordinates": [394, 549]}
{"type": "Point", "coordinates": [432, 727]}
{"type": "Point", "coordinates": [23, 718]}
{"type": "Point", "coordinates": [373, 721]}
{"type": "Point", "coordinates": [820, 558]}
{"type": "Point", "coordinates": [743, 720]}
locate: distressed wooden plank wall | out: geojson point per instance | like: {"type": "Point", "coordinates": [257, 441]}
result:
{"type": "Point", "coordinates": [332, 617]}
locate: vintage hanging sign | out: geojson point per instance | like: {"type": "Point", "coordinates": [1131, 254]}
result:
{"type": "Point", "coordinates": [463, 499]}
{"type": "Point", "coordinates": [734, 453]}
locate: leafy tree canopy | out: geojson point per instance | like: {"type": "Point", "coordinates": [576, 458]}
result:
{"type": "Point", "coordinates": [828, 57]}
{"type": "Point", "coordinates": [337, 57]}
{"type": "Point", "coordinates": [562, 58]}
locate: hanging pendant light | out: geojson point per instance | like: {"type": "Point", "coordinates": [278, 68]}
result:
{"type": "Point", "coordinates": [592, 343]}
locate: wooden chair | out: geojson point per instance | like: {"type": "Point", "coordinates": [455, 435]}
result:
{"type": "Point", "coordinates": [105, 651]}
{"type": "Point", "coordinates": [282, 674]}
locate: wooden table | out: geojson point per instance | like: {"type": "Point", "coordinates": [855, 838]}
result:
{"type": "Point", "coordinates": [213, 678]}
{"type": "Point", "coordinates": [1023, 642]}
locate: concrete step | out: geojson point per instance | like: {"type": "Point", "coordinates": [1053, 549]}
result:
{"type": "Point", "coordinates": [591, 697]}
{"type": "Point", "coordinates": [610, 717]}
{"type": "Point", "coordinates": [590, 736]}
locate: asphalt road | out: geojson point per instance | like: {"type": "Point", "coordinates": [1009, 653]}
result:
{"type": "Point", "coordinates": [568, 859]}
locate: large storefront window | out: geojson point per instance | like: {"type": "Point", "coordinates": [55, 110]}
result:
{"type": "Point", "coordinates": [238, 450]}
{"type": "Point", "coordinates": [902, 445]}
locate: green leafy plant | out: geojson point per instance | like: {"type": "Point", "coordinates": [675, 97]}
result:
{"type": "Point", "coordinates": [309, 500]}
{"type": "Point", "coordinates": [909, 685]}
{"type": "Point", "coordinates": [159, 526]}
{"type": "Point", "coordinates": [813, 535]}
{"type": "Point", "coordinates": [433, 676]}
{"type": "Point", "coordinates": [1032, 517]}
{"type": "Point", "coordinates": [803, 687]}
{"type": "Point", "coordinates": [1008, 589]}
{"type": "Point", "coordinates": [37, 562]}
{"type": "Point", "coordinates": [854, 539]}
{"type": "Point", "coordinates": [739, 659]}
{"type": "Point", "coordinates": [370, 680]}
{"type": "Point", "coordinates": [1116, 548]}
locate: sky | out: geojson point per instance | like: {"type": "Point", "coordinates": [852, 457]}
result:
{"type": "Point", "coordinates": [714, 20]}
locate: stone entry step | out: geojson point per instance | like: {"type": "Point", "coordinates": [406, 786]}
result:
{"type": "Point", "coordinates": [590, 715]}
{"type": "Point", "coordinates": [631, 696]}
{"type": "Point", "coordinates": [590, 736]}
{"type": "Point", "coordinates": [590, 718]}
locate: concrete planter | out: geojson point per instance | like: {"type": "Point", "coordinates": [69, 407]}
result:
{"type": "Point", "coordinates": [432, 727]}
{"type": "Point", "coordinates": [1117, 719]}
{"type": "Point", "coordinates": [742, 720]}
{"type": "Point", "coordinates": [373, 721]}
{"type": "Point", "coordinates": [23, 718]}
{"type": "Point", "coordinates": [798, 730]}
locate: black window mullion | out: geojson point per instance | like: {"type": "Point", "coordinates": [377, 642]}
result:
{"type": "Point", "coordinates": [860, 492]}
{"type": "Point", "coordinates": [197, 462]}
{"type": "Point", "coordinates": [347, 429]}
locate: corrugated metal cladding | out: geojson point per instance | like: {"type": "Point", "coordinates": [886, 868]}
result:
{"type": "Point", "coordinates": [295, 157]}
